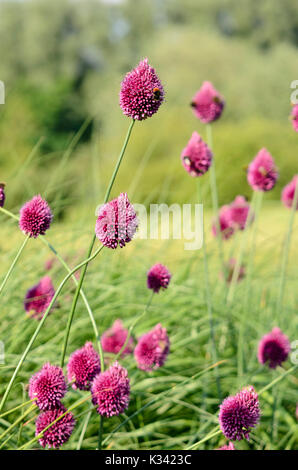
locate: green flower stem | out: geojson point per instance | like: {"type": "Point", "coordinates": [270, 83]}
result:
{"type": "Point", "coordinates": [13, 264]}
{"type": "Point", "coordinates": [216, 431]}
{"type": "Point", "coordinates": [83, 273]}
{"type": "Point", "coordinates": [209, 303]}
{"type": "Point", "coordinates": [64, 264]}
{"type": "Point", "coordinates": [214, 195]}
{"type": "Point", "coordinates": [17, 408]}
{"type": "Point", "coordinates": [285, 257]}
{"type": "Point", "coordinates": [134, 324]}
{"type": "Point", "coordinates": [40, 325]}
{"type": "Point", "coordinates": [19, 420]}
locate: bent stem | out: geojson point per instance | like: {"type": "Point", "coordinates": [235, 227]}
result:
{"type": "Point", "coordinates": [214, 195]}
{"type": "Point", "coordinates": [14, 263]}
{"type": "Point", "coordinates": [285, 256]}
{"type": "Point", "coordinates": [134, 324]}
{"type": "Point", "coordinates": [81, 280]}
{"type": "Point", "coordinates": [209, 303]}
{"type": "Point", "coordinates": [40, 325]}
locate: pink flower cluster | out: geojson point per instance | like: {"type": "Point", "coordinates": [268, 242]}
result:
{"type": "Point", "coordinates": [196, 157]}
{"type": "Point", "coordinates": [274, 348]}
{"type": "Point", "coordinates": [233, 217]}
{"type": "Point", "coordinates": [207, 104]}
{"type": "Point", "coordinates": [39, 297]}
{"type": "Point", "coordinates": [152, 349]}
{"type": "Point", "coordinates": [114, 338]}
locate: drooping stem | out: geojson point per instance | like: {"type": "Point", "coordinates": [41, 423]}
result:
{"type": "Point", "coordinates": [285, 256]}
{"type": "Point", "coordinates": [209, 303]}
{"type": "Point", "coordinates": [134, 324]}
{"type": "Point", "coordinates": [14, 263]}
{"type": "Point", "coordinates": [40, 325]}
{"type": "Point", "coordinates": [83, 273]}
{"type": "Point", "coordinates": [214, 195]}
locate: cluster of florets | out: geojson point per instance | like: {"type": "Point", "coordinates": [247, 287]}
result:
{"type": "Point", "coordinates": [233, 217]}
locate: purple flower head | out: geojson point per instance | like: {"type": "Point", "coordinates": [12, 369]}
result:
{"type": "Point", "coordinates": [239, 210]}
{"type": "Point", "coordinates": [196, 157]}
{"type": "Point", "coordinates": [114, 338]}
{"type": "Point", "coordinates": [39, 297]}
{"type": "Point", "coordinates": [48, 387]}
{"type": "Point", "coordinates": [294, 116]}
{"type": "Point", "coordinates": [229, 446]}
{"type": "Point", "coordinates": [83, 366]}
{"type": "Point", "coordinates": [274, 348]}
{"type": "Point", "coordinates": [141, 92]}
{"type": "Point", "coordinates": [230, 267]}
{"type": "Point", "coordinates": [58, 433]}
{"type": "Point", "coordinates": [262, 173]}
{"type": "Point", "coordinates": [152, 349]}
{"type": "Point", "coordinates": [288, 192]}
{"type": "Point", "coordinates": [158, 277]}
{"type": "Point", "coordinates": [117, 222]}
{"type": "Point", "coordinates": [110, 391]}
{"type": "Point", "coordinates": [2, 194]}
{"type": "Point", "coordinates": [35, 217]}
{"type": "Point", "coordinates": [207, 104]}
{"type": "Point", "coordinates": [239, 414]}
{"type": "Point", "coordinates": [226, 223]}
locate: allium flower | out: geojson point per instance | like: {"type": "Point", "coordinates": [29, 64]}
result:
{"type": "Point", "coordinates": [2, 194]}
{"type": "Point", "coordinates": [207, 104]}
{"type": "Point", "coordinates": [116, 223]}
{"type": "Point", "coordinates": [196, 157]}
{"type": "Point", "coordinates": [83, 366]}
{"type": "Point", "coordinates": [230, 267]}
{"type": "Point", "coordinates": [226, 224]}
{"type": "Point", "coordinates": [274, 348]}
{"type": "Point", "coordinates": [110, 391]}
{"type": "Point", "coordinates": [35, 217]}
{"type": "Point", "coordinates": [239, 414]}
{"type": "Point", "coordinates": [294, 116]}
{"type": "Point", "coordinates": [39, 297]}
{"type": "Point", "coordinates": [239, 210]}
{"type": "Point", "coordinates": [114, 338]}
{"type": "Point", "coordinates": [58, 433]}
{"type": "Point", "coordinates": [48, 387]}
{"type": "Point", "coordinates": [158, 277]}
{"type": "Point", "coordinates": [262, 173]}
{"type": "Point", "coordinates": [288, 193]}
{"type": "Point", "coordinates": [141, 92]}
{"type": "Point", "coordinates": [49, 263]}
{"type": "Point", "coordinates": [229, 446]}
{"type": "Point", "coordinates": [152, 349]}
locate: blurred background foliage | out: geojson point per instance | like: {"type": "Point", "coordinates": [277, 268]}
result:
{"type": "Point", "coordinates": [62, 63]}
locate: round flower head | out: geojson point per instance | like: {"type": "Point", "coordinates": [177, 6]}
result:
{"type": "Point", "coordinates": [58, 433]}
{"type": "Point", "coordinates": [226, 224]}
{"type": "Point", "coordinates": [114, 338]}
{"type": "Point", "coordinates": [152, 349]}
{"type": "Point", "coordinates": [207, 104]}
{"type": "Point", "coordinates": [239, 414]}
{"type": "Point", "coordinates": [158, 277]}
{"type": "Point", "coordinates": [229, 446]}
{"type": "Point", "coordinates": [239, 210]}
{"type": "Point", "coordinates": [2, 194]}
{"type": "Point", "coordinates": [48, 387]}
{"type": "Point", "coordinates": [196, 157]}
{"type": "Point", "coordinates": [288, 193]}
{"type": "Point", "coordinates": [294, 117]}
{"type": "Point", "coordinates": [39, 297]}
{"type": "Point", "coordinates": [116, 223]}
{"type": "Point", "coordinates": [35, 217]}
{"type": "Point", "coordinates": [110, 391]}
{"type": "Point", "coordinates": [230, 267]}
{"type": "Point", "coordinates": [83, 366]}
{"type": "Point", "coordinates": [141, 92]}
{"type": "Point", "coordinates": [274, 348]}
{"type": "Point", "coordinates": [262, 174]}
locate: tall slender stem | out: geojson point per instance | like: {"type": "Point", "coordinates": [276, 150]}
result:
{"type": "Point", "coordinates": [35, 334]}
{"type": "Point", "coordinates": [214, 195]}
{"type": "Point", "coordinates": [83, 273]}
{"type": "Point", "coordinates": [13, 263]}
{"type": "Point", "coordinates": [285, 256]}
{"type": "Point", "coordinates": [209, 303]}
